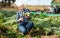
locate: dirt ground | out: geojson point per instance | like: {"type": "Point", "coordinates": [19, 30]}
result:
{"type": "Point", "coordinates": [52, 36]}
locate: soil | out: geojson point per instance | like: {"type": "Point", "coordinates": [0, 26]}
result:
{"type": "Point", "coordinates": [52, 36]}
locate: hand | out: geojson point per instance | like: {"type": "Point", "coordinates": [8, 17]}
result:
{"type": "Point", "coordinates": [20, 19]}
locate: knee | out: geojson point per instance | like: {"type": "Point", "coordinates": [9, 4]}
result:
{"type": "Point", "coordinates": [32, 23]}
{"type": "Point", "coordinates": [22, 29]}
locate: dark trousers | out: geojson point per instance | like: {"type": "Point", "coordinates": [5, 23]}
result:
{"type": "Point", "coordinates": [25, 29]}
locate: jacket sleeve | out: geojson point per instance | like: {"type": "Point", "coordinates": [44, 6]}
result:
{"type": "Point", "coordinates": [19, 15]}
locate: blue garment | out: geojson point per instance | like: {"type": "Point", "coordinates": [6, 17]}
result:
{"type": "Point", "coordinates": [25, 25]}
{"type": "Point", "coordinates": [26, 29]}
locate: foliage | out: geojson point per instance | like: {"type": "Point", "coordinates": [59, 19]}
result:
{"type": "Point", "coordinates": [41, 21]}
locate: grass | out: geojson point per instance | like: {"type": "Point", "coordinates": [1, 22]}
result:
{"type": "Point", "coordinates": [42, 24]}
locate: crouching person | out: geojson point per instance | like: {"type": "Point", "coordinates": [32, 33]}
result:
{"type": "Point", "coordinates": [24, 25]}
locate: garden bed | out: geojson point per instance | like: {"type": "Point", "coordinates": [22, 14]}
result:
{"type": "Point", "coordinates": [42, 22]}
